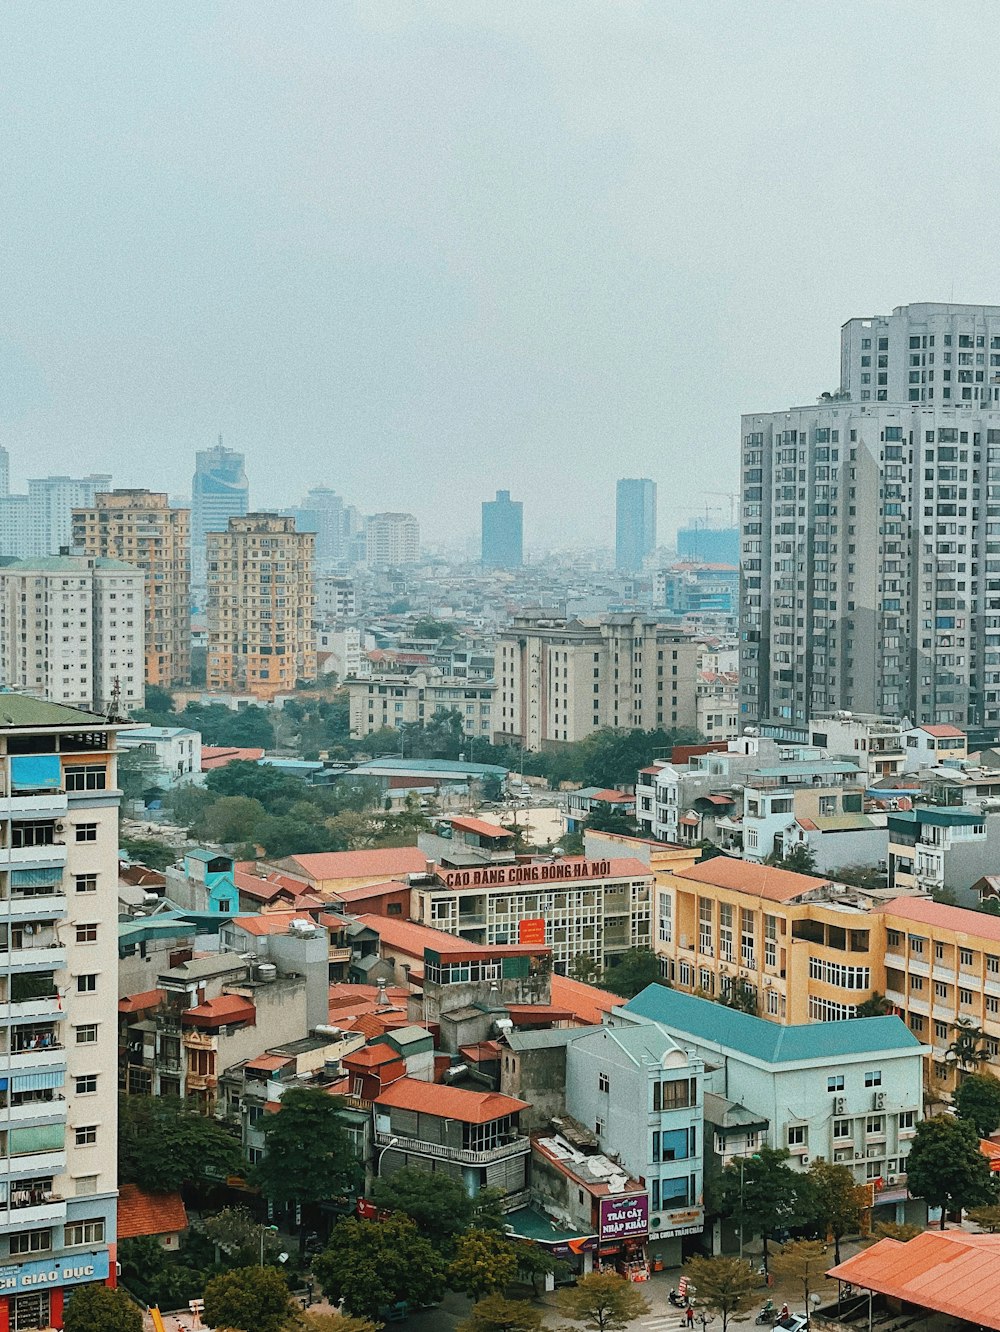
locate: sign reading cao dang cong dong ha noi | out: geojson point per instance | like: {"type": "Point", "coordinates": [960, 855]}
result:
{"type": "Point", "coordinates": [625, 1218]}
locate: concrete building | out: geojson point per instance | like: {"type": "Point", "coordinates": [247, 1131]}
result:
{"type": "Point", "coordinates": [58, 1101]}
{"type": "Point", "coordinates": [503, 532]}
{"type": "Point", "coordinates": [559, 680]}
{"type": "Point", "coordinates": [4, 473]}
{"type": "Point", "coordinates": [219, 491]}
{"type": "Point", "coordinates": [851, 1092]}
{"type": "Point", "coordinates": [336, 599]}
{"type": "Point", "coordinates": [718, 705]}
{"type": "Point", "coordinates": [173, 753]}
{"type": "Point", "coordinates": [71, 631]}
{"type": "Point", "coordinates": [380, 701]}
{"type": "Point", "coordinates": [635, 523]}
{"type": "Point", "coordinates": [39, 524]}
{"type": "Point", "coordinates": [392, 539]}
{"type": "Point", "coordinates": [141, 528]}
{"type": "Point", "coordinates": [816, 790]}
{"type": "Point", "coordinates": [260, 606]}
{"type": "Point", "coordinates": [931, 848]}
{"type": "Point", "coordinates": [929, 746]}
{"type": "Point", "coordinates": [874, 743]}
{"type": "Point", "coordinates": [867, 525]}
{"type": "Point", "coordinates": [701, 544]}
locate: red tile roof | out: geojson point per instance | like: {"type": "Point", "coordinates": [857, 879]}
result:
{"type": "Point", "coordinates": [587, 1002]}
{"type": "Point", "coordinates": [217, 756]}
{"type": "Point", "coordinates": [431, 1098]}
{"type": "Point", "coordinates": [138, 1003]}
{"type": "Point", "coordinates": [379, 862]}
{"type": "Point", "coordinates": [376, 1023]}
{"type": "Point", "coordinates": [775, 885]}
{"type": "Point", "coordinates": [226, 1008]}
{"type": "Point", "coordinates": [975, 924]}
{"type": "Point", "coordinates": [947, 1271]}
{"type": "Point", "coordinates": [141, 1213]}
{"type": "Point", "coordinates": [267, 1063]}
{"type": "Point", "coordinates": [413, 939]}
{"type": "Point", "coordinates": [371, 1056]}
{"type": "Point", "coordinates": [271, 922]}
{"type": "Point", "coordinates": [481, 827]}
{"type": "Point", "coordinates": [943, 732]}
{"type": "Point", "coordinates": [263, 890]}
{"type": "Point", "coordinates": [364, 890]}
{"type": "Point", "coordinates": [607, 796]}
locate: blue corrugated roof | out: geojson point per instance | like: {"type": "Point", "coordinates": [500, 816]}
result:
{"type": "Point", "coordinates": [767, 1041]}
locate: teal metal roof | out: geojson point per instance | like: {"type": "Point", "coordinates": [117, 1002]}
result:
{"type": "Point", "coordinates": [823, 768]}
{"type": "Point", "coordinates": [439, 767]}
{"type": "Point", "coordinates": [941, 818]}
{"type": "Point", "coordinates": [530, 1223]}
{"type": "Point", "coordinates": [767, 1041]}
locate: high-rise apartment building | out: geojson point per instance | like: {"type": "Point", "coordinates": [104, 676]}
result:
{"type": "Point", "coordinates": [870, 530]}
{"type": "Point", "coordinates": [559, 680]}
{"type": "Point", "coordinates": [503, 532]}
{"type": "Point", "coordinates": [71, 631]}
{"type": "Point", "coordinates": [260, 606]}
{"type": "Point", "coordinates": [58, 1026]}
{"type": "Point", "coordinates": [220, 491]}
{"type": "Point", "coordinates": [140, 527]}
{"type": "Point", "coordinates": [393, 538]}
{"type": "Point", "coordinates": [635, 522]}
{"type": "Point", "coordinates": [40, 523]}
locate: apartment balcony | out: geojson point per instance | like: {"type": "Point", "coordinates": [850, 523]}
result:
{"type": "Point", "coordinates": [46, 1009]}
{"type": "Point", "coordinates": [46, 1057]}
{"type": "Point", "coordinates": [896, 997]}
{"type": "Point", "coordinates": [916, 967]}
{"type": "Point", "coordinates": [36, 1112]}
{"type": "Point", "coordinates": [35, 1165]}
{"type": "Point", "coordinates": [46, 906]}
{"type": "Point", "coordinates": [895, 960]}
{"type": "Point", "coordinates": [32, 857]}
{"type": "Point", "coordinates": [341, 954]}
{"type": "Point", "coordinates": [34, 958]}
{"type": "Point", "coordinates": [45, 1209]}
{"type": "Point", "coordinates": [202, 1082]}
{"type": "Point", "coordinates": [518, 1146]}
{"type": "Point", "coordinates": [34, 804]}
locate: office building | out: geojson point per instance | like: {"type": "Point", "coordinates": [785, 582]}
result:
{"type": "Point", "coordinates": [322, 512]}
{"type": "Point", "coordinates": [869, 526]}
{"type": "Point", "coordinates": [140, 527]}
{"type": "Point", "coordinates": [378, 702]}
{"type": "Point", "coordinates": [635, 523]}
{"type": "Point", "coordinates": [219, 491]}
{"type": "Point", "coordinates": [561, 679]}
{"type": "Point", "coordinates": [503, 532]}
{"type": "Point", "coordinates": [59, 1098]}
{"type": "Point", "coordinates": [700, 544]}
{"type": "Point", "coordinates": [260, 606]}
{"type": "Point", "coordinates": [71, 631]}
{"type": "Point", "coordinates": [392, 539]}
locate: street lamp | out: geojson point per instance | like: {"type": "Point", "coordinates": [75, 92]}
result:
{"type": "Point", "coordinates": [265, 1230]}
{"type": "Point", "coordinates": [387, 1148]}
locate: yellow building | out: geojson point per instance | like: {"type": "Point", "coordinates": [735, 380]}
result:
{"type": "Point", "coordinates": [260, 606]}
{"type": "Point", "coordinates": [141, 528]}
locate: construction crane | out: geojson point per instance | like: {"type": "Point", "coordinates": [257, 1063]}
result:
{"type": "Point", "coordinates": [733, 496]}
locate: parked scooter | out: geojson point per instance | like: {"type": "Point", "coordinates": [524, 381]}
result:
{"type": "Point", "coordinates": [677, 1300]}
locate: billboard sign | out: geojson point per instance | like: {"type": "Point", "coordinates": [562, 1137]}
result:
{"type": "Point", "coordinates": [625, 1218]}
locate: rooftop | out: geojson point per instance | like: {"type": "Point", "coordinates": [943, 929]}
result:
{"type": "Point", "coordinates": [727, 1028]}
{"type": "Point", "coordinates": [379, 863]}
{"type": "Point", "coordinates": [924, 911]}
{"type": "Point", "coordinates": [430, 1098]}
{"type": "Point", "coordinates": [413, 939]}
{"type": "Point", "coordinates": [142, 1213]}
{"type": "Point", "coordinates": [776, 885]}
{"type": "Point", "coordinates": [481, 828]}
{"type": "Point", "coordinates": [271, 922]}
{"type": "Point", "coordinates": [588, 1003]}
{"type": "Point", "coordinates": [22, 710]}
{"type": "Point", "coordinates": [942, 732]}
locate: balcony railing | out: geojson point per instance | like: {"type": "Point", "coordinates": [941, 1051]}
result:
{"type": "Point", "coordinates": [516, 1147]}
{"type": "Point", "coordinates": [47, 804]}
{"type": "Point", "coordinates": [49, 1209]}
{"type": "Point", "coordinates": [52, 853]}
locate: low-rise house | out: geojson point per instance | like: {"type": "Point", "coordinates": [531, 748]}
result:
{"type": "Point", "coordinates": [203, 881]}
{"type": "Point", "coordinates": [581, 804]}
{"type": "Point", "coordinates": [161, 1215]}
{"type": "Point", "coordinates": [929, 746]}
{"type": "Point", "coordinates": [172, 753]}
{"type": "Point", "coordinates": [326, 873]}
{"type": "Point", "coordinates": [934, 847]}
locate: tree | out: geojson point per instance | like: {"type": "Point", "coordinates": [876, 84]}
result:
{"type": "Point", "coordinates": [100, 1309]}
{"type": "Point", "coordinates": [156, 1276]}
{"type": "Point", "coordinates": [986, 1218]}
{"type": "Point", "coordinates": [308, 1154]}
{"type": "Point", "coordinates": [945, 1166]}
{"type": "Point", "coordinates": [605, 817]}
{"type": "Point", "coordinates": [584, 968]}
{"type": "Point", "coordinates": [804, 1261]}
{"type": "Point", "coordinates": [837, 1200]}
{"type": "Point", "coordinates": [968, 1049]}
{"type": "Point", "coordinates": [334, 1322]}
{"type": "Point", "coordinates": [162, 1144]}
{"type": "Point", "coordinates": [248, 1299]}
{"type": "Point", "coordinates": [484, 1262]}
{"type": "Point", "coordinates": [800, 860]}
{"type": "Point", "coordinates": [602, 1302]}
{"type": "Point", "coordinates": [632, 971]}
{"type": "Point", "coordinates": [724, 1286]}
{"type": "Point", "coordinates": [897, 1230]}
{"type": "Point", "coordinates": [148, 851]}
{"type": "Point", "coordinates": [371, 1264]}
{"type": "Point", "coordinates": [533, 1262]}
{"type": "Point", "coordinates": [438, 1204]}
{"type": "Point", "coordinates": [231, 819]}
{"type": "Point", "coordinates": [977, 1099]}
{"type": "Point", "coordinates": [494, 1313]}
{"type": "Point", "coordinates": [876, 1006]}
{"type": "Point", "coordinates": [766, 1196]}
{"type": "Point", "coordinates": [240, 1237]}
{"type": "Point", "coordinates": [741, 996]}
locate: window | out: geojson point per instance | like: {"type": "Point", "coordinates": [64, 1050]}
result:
{"type": "Point", "coordinates": [87, 983]}
{"type": "Point", "coordinates": [599, 1126]}
{"type": "Point", "coordinates": [907, 1119]}
{"type": "Point", "coordinates": [86, 933]}
{"type": "Point", "coordinates": [874, 1125]}
{"type": "Point", "coordinates": [842, 1128]}
{"type": "Point", "coordinates": [84, 1184]}
{"type": "Point", "coordinates": [603, 1082]}
{"type": "Point", "coordinates": [797, 1135]}
{"type": "Point", "coordinates": [86, 1083]}
{"type": "Point", "coordinates": [86, 1135]}
{"type": "Point", "coordinates": [86, 832]}
{"type": "Point", "coordinates": [85, 883]}
{"type": "Point", "coordinates": [86, 1033]}
{"type": "Point", "coordinates": [85, 1232]}
{"type": "Point", "coordinates": [835, 1084]}
{"type": "Point", "coordinates": [31, 1241]}
{"type": "Point", "coordinates": [873, 1078]}
{"type": "Point", "coordinates": [87, 777]}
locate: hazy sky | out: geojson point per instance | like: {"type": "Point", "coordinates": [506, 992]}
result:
{"type": "Point", "coordinates": [421, 251]}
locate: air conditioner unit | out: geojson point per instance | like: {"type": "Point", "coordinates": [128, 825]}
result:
{"type": "Point", "coordinates": [891, 1179]}
{"type": "Point", "coordinates": [839, 1105]}
{"type": "Point", "coordinates": [879, 1100]}
{"type": "Point", "coordinates": [804, 1160]}
{"type": "Point", "coordinates": [859, 1156]}
{"type": "Point", "coordinates": [60, 827]}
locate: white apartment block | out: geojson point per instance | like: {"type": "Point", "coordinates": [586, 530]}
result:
{"type": "Point", "coordinates": [59, 1094]}
{"type": "Point", "coordinates": [336, 599]}
{"type": "Point", "coordinates": [559, 680]}
{"type": "Point", "coordinates": [72, 631]}
{"type": "Point", "coordinates": [392, 538]}
{"type": "Point", "coordinates": [870, 530]}
{"type": "Point", "coordinates": [380, 702]}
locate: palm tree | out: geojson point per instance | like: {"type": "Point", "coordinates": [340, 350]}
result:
{"type": "Point", "coordinates": [968, 1049]}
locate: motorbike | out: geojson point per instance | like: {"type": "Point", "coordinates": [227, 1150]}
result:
{"type": "Point", "coordinates": [677, 1300]}
{"type": "Point", "coordinates": [767, 1316]}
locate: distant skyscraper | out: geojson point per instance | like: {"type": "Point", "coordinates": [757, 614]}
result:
{"type": "Point", "coordinates": [635, 523]}
{"type": "Point", "coordinates": [220, 491]}
{"type": "Point", "coordinates": [51, 501]}
{"type": "Point", "coordinates": [503, 532]}
{"type": "Point", "coordinates": [392, 538]}
{"type": "Point", "coordinates": [322, 513]}
{"type": "Point", "coordinates": [4, 473]}
{"type": "Point", "coordinates": [709, 545]}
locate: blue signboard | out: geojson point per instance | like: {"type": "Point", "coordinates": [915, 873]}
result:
{"type": "Point", "coordinates": [70, 1270]}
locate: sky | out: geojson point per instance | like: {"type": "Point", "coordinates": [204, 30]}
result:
{"type": "Point", "coordinates": [422, 251]}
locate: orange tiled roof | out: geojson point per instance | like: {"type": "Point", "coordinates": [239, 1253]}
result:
{"type": "Point", "coordinates": [364, 890]}
{"type": "Point", "coordinates": [217, 756]}
{"type": "Point", "coordinates": [356, 864]}
{"type": "Point", "coordinates": [413, 939]}
{"type": "Point", "coordinates": [978, 924]}
{"type": "Point", "coordinates": [776, 885]}
{"type": "Point", "coordinates": [226, 1008]}
{"type": "Point", "coordinates": [138, 1003]}
{"type": "Point", "coordinates": [481, 827]}
{"type": "Point", "coordinates": [141, 1213]}
{"type": "Point", "coordinates": [431, 1098]}
{"type": "Point", "coordinates": [272, 922]}
{"type": "Point", "coordinates": [943, 732]}
{"type": "Point", "coordinates": [588, 1003]}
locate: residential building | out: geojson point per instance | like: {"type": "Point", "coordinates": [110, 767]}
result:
{"type": "Point", "coordinates": [51, 501]}
{"type": "Point", "coordinates": [219, 491]}
{"type": "Point", "coordinates": [581, 804]}
{"type": "Point", "coordinates": [635, 523]}
{"type": "Point", "coordinates": [71, 631]}
{"type": "Point", "coordinates": [378, 702]}
{"type": "Point", "coordinates": [928, 746]}
{"type": "Point", "coordinates": [4, 473]}
{"type": "Point", "coordinates": [172, 753]}
{"type": "Point", "coordinates": [702, 592]}
{"type": "Point", "coordinates": [718, 705]}
{"type": "Point", "coordinates": [865, 529]}
{"type": "Point", "coordinates": [203, 881]}
{"type": "Point", "coordinates": [15, 526]}
{"type": "Point", "coordinates": [141, 528]}
{"type": "Point", "coordinates": [322, 513]}
{"type": "Point", "coordinates": [932, 848]}
{"type": "Point", "coordinates": [562, 679]}
{"type": "Point", "coordinates": [816, 790]}
{"type": "Point", "coordinates": [874, 743]}
{"type": "Point", "coordinates": [503, 532]}
{"type": "Point", "coordinates": [58, 1102]}
{"type": "Point", "coordinates": [260, 606]}
{"type": "Point", "coordinates": [391, 539]}
{"type": "Point", "coordinates": [327, 872]}
{"type": "Point", "coordinates": [850, 1092]}
{"type": "Point", "coordinates": [336, 599]}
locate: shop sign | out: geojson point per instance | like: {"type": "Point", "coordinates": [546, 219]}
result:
{"type": "Point", "coordinates": [691, 1222]}
{"type": "Point", "coordinates": [531, 931]}
{"type": "Point", "coordinates": [55, 1272]}
{"type": "Point", "coordinates": [625, 1218]}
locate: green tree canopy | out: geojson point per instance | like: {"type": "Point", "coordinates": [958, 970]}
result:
{"type": "Point", "coordinates": [334, 1322]}
{"type": "Point", "coordinates": [838, 1201]}
{"type": "Point", "coordinates": [157, 1276]}
{"type": "Point", "coordinates": [946, 1168]}
{"type": "Point", "coordinates": [876, 1006]}
{"type": "Point", "coordinates": [236, 1233]}
{"type": "Point", "coordinates": [162, 1144]}
{"type": "Point", "coordinates": [148, 851]}
{"type": "Point", "coordinates": [723, 1286]}
{"type": "Point", "coordinates": [494, 1313]}
{"type": "Point", "coordinates": [968, 1048]}
{"type": "Point", "coordinates": [977, 1099]}
{"type": "Point", "coordinates": [603, 1302]}
{"type": "Point", "coordinates": [100, 1309]}
{"type": "Point", "coordinates": [768, 1198]}
{"type": "Point", "coordinates": [230, 819]}
{"type": "Point", "coordinates": [309, 1156]}
{"type": "Point", "coordinates": [803, 1262]}
{"type": "Point", "coordinates": [484, 1262]}
{"type": "Point", "coordinates": [632, 971]}
{"type": "Point", "coordinates": [248, 1299]}
{"type": "Point", "coordinates": [370, 1265]}
{"type": "Point", "coordinates": [440, 1205]}
{"type": "Point", "coordinates": [986, 1218]}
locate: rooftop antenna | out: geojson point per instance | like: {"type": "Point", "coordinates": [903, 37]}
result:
{"type": "Point", "coordinates": [115, 705]}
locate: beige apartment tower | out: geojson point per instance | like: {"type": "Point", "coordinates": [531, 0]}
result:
{"type": "Point", "coordinates": [260, 606]}
{"type": "Point", "coordinates": [140, 527]}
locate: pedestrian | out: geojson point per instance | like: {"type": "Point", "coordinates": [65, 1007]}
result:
{"type": "Point", "coordinates": [689, 1315]}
